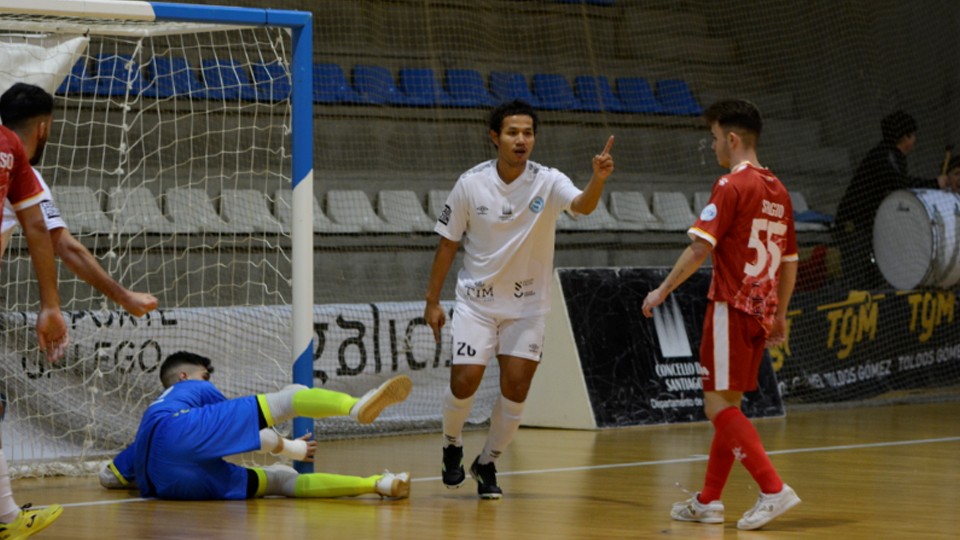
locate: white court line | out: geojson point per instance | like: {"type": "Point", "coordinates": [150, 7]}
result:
{"type": "Point", "coordinates": [692, 459]}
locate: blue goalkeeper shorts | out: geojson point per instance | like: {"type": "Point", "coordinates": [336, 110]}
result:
{"type": "Point", "coordinates": [186, 451]}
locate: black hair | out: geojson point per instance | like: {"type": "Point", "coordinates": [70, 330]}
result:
{"type": "Point", "coordinates": [23, 102]}
{"type": "Point", "coordinates": [896, 126]}
{"type": "Point", "coordinates": [735, 114]}
{"type": "Point", "coordinates": [170, 368]}
{"type": "Point", "coordinates": [511, 108]}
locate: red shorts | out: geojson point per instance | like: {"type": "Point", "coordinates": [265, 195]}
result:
{"type": "Point", "coordinates": [731, 349]}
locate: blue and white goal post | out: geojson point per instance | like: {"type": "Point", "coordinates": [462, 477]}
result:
{"type": "Point", "coordinates": [143, 122]}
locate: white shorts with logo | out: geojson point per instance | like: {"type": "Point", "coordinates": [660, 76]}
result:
{"type": "Point", "coordinates": [478, 338]}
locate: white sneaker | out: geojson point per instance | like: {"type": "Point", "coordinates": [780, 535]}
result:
{"type": "Point", "coordinates": [394, 486]}
{"type": "Point", "coordinates": [694, 510]}
{"type": "Point", "coordinates": [768, 508]}
{"type": "Point", "coordinates": [375, 401]}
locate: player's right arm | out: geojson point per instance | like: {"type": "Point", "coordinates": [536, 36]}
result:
{"type": "Point", "coordinates": [689, 262]}
{"type": "Point", "coordinates": [51, 328]}
{"type": "Point", "coordinates": [79, 259]}
{"type": "Point", "coordinates": [442, 261]}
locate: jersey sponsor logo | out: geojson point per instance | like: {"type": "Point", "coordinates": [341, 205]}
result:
{"type": "Point", "coordinates": [482, 210]}
{"type": "Point", "coordinates": [536, 205]}
{"type": "Point", "coordinates": [520, 289]}
{"type": "Point", "coordinates": [709, 212]}
{"type": "Point", "coordinates": [772, 209]}
{"type": "Point", "coordinates": [479, 291]}
{"type": "Point", "coordinates": [445, 215]}
{"type": "Point", "coordinates": [49, 209]}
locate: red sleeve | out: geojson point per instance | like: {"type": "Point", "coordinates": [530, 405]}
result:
{"type": "Point", "coordinates": [23, 183]}
{"type": "Point", "coordinates": [719, 213]}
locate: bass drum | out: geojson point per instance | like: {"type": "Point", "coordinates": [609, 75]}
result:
{"type": "Point", "coordinates": [916, 238]}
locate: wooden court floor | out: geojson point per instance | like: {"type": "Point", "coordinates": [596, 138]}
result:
{"type": "Point", "coordinates": [873, 472]}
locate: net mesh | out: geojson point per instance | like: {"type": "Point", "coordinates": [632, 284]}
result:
{"type": "Point", "coordinates": [401, 89]}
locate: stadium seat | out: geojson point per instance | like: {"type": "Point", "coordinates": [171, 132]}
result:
{"type": "Point", "coordinates": [136, 209]}
{"type": "Point", "coordinates": [117, 75]}
{"type": "Point", "coordinates": [436, 200]}
{"type": "Point", "coordinates": [554, 93]}
{"type": "Point", "coordinates": [403, 209]}
{"type": "Point", "coordinates": [420, 88]}
{"type": "Point", "coordinates": [508, 86]}
{"type": "Point", "coordinates": [79, 81]}
{"type": "Point", "coordinates": [595, 94]}
{"type": "Point", "coordinates": [271, 80]}
{"type": "Point", "coordinates": [352, 207]}
{"type": "Point", "coordinates": [226, 79]}
{"type": "Point", "coordinates": [805, 219]}
{"type": "Point", "coordinates": [675, 97]}
{"type": "Point", "coordinates": [673, 210]}
{"type": "Point", "coordinates": [172, 77]}
{"type": "Point", "coordinates": [248, 208]}
{"type": "Point", "coordinates": [81, 210]}
{"type": "Point", "coordinates": [700, 200]}
{"type": "Point", "coordinates": [466, 88]}
{"type": "Point", "coordinates": [597, 220]}
{"type": "Point", "coordinates": [330, 85]}
{"type": "Point", "coordinates": [632, 212]}
{"type": "Point", "coordinates": [283, 208]}
{"type": "Point", "coordinates": [636, 96]}
{"type": "Point", "coordinates": [375, 85]}
{"type": "Point", "coordinates": [193, 208]}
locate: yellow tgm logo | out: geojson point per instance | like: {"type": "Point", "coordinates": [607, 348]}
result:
{"type": "Point", "coordinates": [929, 310]}
{"type": "Point", "coordinates": [851, 321]}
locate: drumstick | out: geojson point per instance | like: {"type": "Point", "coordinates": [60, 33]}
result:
{"type": "Point", "coordinates": [946, 159]}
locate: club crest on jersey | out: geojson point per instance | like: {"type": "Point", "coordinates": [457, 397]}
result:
{"type": "Point", "coordinates": [536, 205]}
{"type": "Point", "coordinates": [709, 212]}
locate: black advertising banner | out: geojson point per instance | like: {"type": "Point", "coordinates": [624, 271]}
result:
{"type": "Point", "coordinates": [848, 345]}
{"type": "Point", "coordinates": [646, 371]}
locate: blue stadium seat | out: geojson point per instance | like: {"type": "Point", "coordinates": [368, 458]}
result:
{"type": "Point", "coordinates": [467, 88]}
{"type": "Point", "coordinates": [330, 85]}
{"type": "Point", "coordinates": [636, 96]}
{"type": "Point", "coordinates": [508, 86]}
{"type": "Point", "coordinates": [375, 85]}
{"type": "Point", "coordinates": [595, 94]}
{"type": "Point", "coordinates": [172, 77]}
{"type": "Point", "coordinates": [226, 79]}
{"type": "Point", "coordinates": [420, 87]}
{"type": "Point", "coordinates": [675, 97]}
{"type": "Point", "coordinates": [79, 81]}
{"type": "Point", "coordinates": [271, 80]}
{"type": "Point", "coordinates": [554, 93]}
{"type": "Point", "coordinates": [117, 75]}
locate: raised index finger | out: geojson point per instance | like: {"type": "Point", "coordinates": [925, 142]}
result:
{"type": "Point", "coordinates": [606, 149]}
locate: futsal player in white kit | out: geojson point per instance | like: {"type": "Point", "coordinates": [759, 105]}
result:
{"type": "Point", "coordinates": [505, 212]}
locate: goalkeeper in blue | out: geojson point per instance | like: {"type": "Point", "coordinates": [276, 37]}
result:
{"type": "Point", "coordinates": [187, 431]}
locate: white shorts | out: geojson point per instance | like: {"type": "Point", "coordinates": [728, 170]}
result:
{"type": "Point", "coordinates": [478, 338]}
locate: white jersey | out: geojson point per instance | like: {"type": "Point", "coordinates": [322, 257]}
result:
{"type": "Point", "coordinates": [508, 233]}
{"type": "Point", "coordinates": [51, 214]}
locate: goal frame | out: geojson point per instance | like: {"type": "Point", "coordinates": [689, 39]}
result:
{"type": "Point", "coordinates": [300, 26]}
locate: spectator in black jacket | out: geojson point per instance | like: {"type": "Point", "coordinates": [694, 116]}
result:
{"type": "Point", "coordinates": [882, 171]}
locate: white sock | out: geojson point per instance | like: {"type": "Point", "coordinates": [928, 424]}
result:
{"type": "Point", "coordinates": [504, 424]}
{"type": "Point", "coordinates": [455, 413]}
{"type": "Point", "coordinates": [281, 480]}
{"type": "Point", "coordinates": [8, 507]}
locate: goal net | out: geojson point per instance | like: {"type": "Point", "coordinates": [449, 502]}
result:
{"type": "Point", "coordinates": [173, 147]}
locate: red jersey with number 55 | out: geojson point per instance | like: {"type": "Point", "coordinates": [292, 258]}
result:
{"type": "Point", "coordinates": [749, 222]}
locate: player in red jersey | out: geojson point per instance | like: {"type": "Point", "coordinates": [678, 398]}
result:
{"type": "Point", "coordinates": [748, 227]}
{"type": "Point", "coordinates": [20, 186]}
